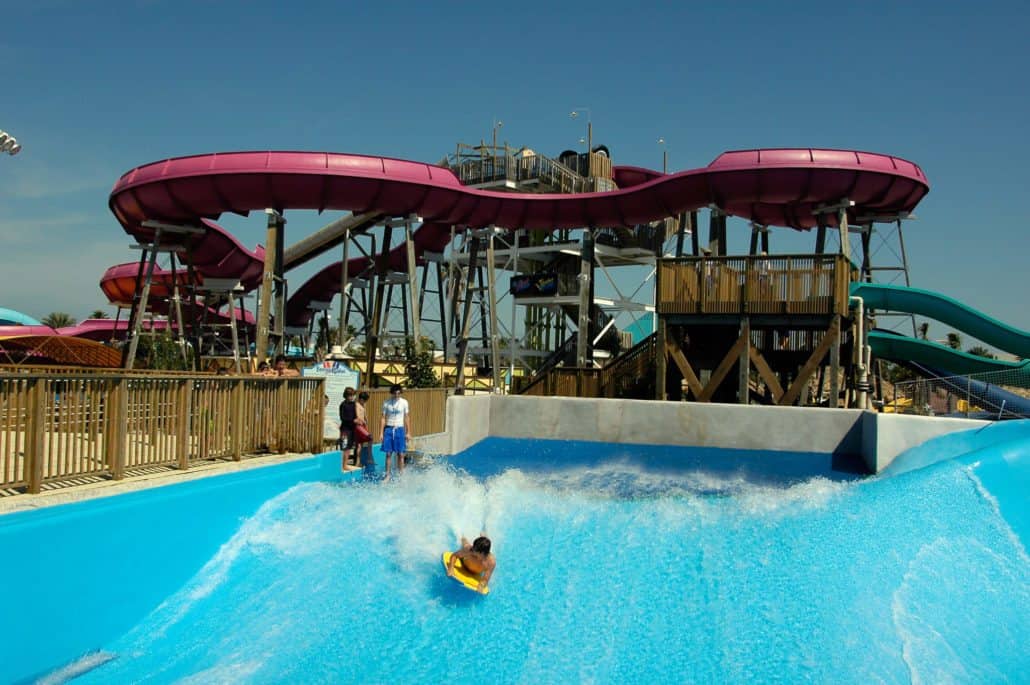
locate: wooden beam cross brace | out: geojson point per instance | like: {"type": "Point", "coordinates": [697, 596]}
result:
{"type": "Point", "coordinates": [812, 364]}
{"type": "Point", "coordinates": [673, 350]}
{"type": "Point", "coordinates": [724, 367]}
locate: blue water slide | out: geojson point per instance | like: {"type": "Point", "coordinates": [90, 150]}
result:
{"type": "Point", "coordinates": [10, 317]}
{"type": "Point", "coordinates": [946, 310]}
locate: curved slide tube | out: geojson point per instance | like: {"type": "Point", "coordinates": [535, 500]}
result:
{"type": "Point", "coordinates": [772, 187]}
{"type": "Point", "coordinates": [948, 311]}
{"type": "Point", "coordinates": [941, 364]}
{"type": "Point", "coordinates": [10, 317]}
{"type": "Point", "coordinates": [778, 187]}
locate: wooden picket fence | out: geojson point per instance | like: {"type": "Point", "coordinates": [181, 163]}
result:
{"type": "Point", "coordinates": [61, 426]}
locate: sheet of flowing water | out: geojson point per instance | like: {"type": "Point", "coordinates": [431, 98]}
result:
{"type": "Point", "coordinates": [607, 571]}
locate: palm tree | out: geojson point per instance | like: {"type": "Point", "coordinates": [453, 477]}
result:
{"type": "Point", "coordinates": [58, 320]}
{"type": "Point", "coordinates": [99, 314]}
{"type": "Point", "coordinates": [954, 341]}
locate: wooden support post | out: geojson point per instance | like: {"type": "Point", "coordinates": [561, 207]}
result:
{"type": "Point", "coordinates": [264, 317]}
{"type": "Point", "coordinates": [139, 308]}
{"type": "Point", "coordinates": [36, 429]}
{"type": "Point", "coordinates": [372, 339]}
{"type": "Point", "coordinates": [463, 340]}
{"type": "Point", "coordinates": [722, 370]}
{"type": "Point", "coordinates": [681, 233]}
{"type": "Point", "coordinates": [835, 368]}
{"type": "Point", "coordinates": [491, 282]}
{"type": "Point", "coordinates": [842, 226]}
{"type": "Point", "coordinates": [341, 326]}
{"type": "Point", "coordinates": [183, 395]}
{"type": "Point", "coordinates": [744, 377]}
{"type": "Point", "coordinates": [713, 231]}
{"type": "Point", "coordinates": [416, 314]}
{"type": "Point", "coordinates": [177, 310]}
{"type": "Point", "coordinates": [661, 360]}
{"type": "Point", "coordinates": [239, 424]}
{"type": "Point", "coordinates": [867, 267]}
{"type": "Point", "coordinates": [695, 239]}
{"type": "Point", "coordinates": [118, 414]}
{"type": "Point", "coordinates": [233, 332]}
{"type": "Point", "coordinates": [584, 347]}
{"type": "Point", "coordinates": [813, 363]}
{"type": "Point", "coordinates": [820, 234]}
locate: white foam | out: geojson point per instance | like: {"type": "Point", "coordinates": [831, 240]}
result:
{"type": "Point", "coordinates": [77, 668]}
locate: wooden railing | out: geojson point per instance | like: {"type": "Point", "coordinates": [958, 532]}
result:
{"type": "Point", "coordinates": [781, 284]}
{"type": "Point", "coordinates": [56, 427]}
{"type": "Point", "coordinates": [565, 381]}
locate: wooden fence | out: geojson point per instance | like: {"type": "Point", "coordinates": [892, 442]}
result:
{"type": "Point", "coordinates": [56, 427]}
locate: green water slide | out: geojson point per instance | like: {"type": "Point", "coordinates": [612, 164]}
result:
{"type": "Point", "coordinates": [902, 348]}
{"type": "Point", "coordinates": [949, 312]}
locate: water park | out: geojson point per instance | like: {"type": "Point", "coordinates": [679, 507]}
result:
{"type": "Point", "coordinates": [728, 467]}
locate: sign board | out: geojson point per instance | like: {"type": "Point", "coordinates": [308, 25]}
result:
{"type": "Point", "coordinates": [338, 377]}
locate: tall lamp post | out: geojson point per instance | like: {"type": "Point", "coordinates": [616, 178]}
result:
{"type": "Point", "coordinates": [9, 144]}
{"type": "Point", "coordinates": [497, 125]}
{"type": "Point", "coordinates": [665, 156]}
{"type": "Point", "coordinates": [590, 129]}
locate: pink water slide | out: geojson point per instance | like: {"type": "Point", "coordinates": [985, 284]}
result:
{"type": "Point", "coordinates": [778, 187]}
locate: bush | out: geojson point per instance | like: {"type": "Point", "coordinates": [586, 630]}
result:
{"type": "Point", "coordinates": [419, 364]}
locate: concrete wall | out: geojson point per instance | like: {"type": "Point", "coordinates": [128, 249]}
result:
{"type": "Point", "coordinates": [888, 435]}
{"type": "Point", "coordinates": [877, 438]}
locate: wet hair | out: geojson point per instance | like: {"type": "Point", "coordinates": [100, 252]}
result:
{"type": "Point", "coordinates": [262, 366]}
{"type": "Point", "coordinates": [363, 395]}
{"type": "Point", "coordinates": [481, 545]}
{"type": "Point", "coordinates": [396, 387]}
{"type": "Point", "coordinates": [280, 358]}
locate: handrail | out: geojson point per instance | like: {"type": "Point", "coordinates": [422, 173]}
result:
{"type": "Point", "coordinates": [54, 428]}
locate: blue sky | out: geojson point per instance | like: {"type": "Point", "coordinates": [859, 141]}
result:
{"type": "Point", "coordinates": [92, 89]}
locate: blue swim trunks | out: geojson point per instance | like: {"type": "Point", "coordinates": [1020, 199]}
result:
{"type": "Point", "coordinates": [393, 440]}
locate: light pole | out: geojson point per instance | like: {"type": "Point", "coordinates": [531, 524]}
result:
{"type": "Point", "coordinates": [665, 156]}
{"type": "Point", "coordinates": [497, 125]}
{"type": "Point", "coordinates": [9, 144]}
{"type": "Point", "coordinates": [590, 129]}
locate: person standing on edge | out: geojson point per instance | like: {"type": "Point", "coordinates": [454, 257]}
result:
{"type": "Point", "coordinates": [362, 420]}
{"type": "Point", "coordinates": [395, 425]}
{"type": "Point", "coordinates": [348, 415]}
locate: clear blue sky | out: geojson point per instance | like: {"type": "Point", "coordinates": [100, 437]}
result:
{"type": "Point", "coordinates": [92, 89]}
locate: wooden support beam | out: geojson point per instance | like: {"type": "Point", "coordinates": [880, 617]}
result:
{"type": "Point", "coordinates": [723, 369]}
{"type": "Point", "coordinates": [744, 369]}
{"type": "Point", "coordinates": [661, 359]}
{"type": "Point", "coordinates": [673, 350]}
{"type": "Point", "coordinates": [832, 334]}
{"type": "Point", "coordinates": [766, 373]}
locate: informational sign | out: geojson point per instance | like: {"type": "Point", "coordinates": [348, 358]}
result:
{"type": "Point", "coordinates": [338, 377]}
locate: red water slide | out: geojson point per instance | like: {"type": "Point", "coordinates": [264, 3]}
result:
{"type": "Point", "coordinates": [779, 187]}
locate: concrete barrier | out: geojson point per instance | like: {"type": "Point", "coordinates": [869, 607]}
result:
{"type": "Point", "coordinates": [876, 438]}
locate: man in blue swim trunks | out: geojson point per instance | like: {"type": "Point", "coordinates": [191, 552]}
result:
{"type": "Point", "coordinates": [394, 427]}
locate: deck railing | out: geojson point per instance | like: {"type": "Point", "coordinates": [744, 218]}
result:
{"type": "Point", "coordinates": [61, 427]}
{"type": "Point", "coordinates": [781, 284]}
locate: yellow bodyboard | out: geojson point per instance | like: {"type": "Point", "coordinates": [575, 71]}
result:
{"type": "Point", "coordinates": [462, 576]}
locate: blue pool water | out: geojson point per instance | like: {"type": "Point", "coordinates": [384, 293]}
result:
{"type": "Point", "coordinates": [614, 563]}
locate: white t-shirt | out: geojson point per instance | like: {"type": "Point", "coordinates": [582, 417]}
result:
{"type": "Point", "coordinates": [395, 409]}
